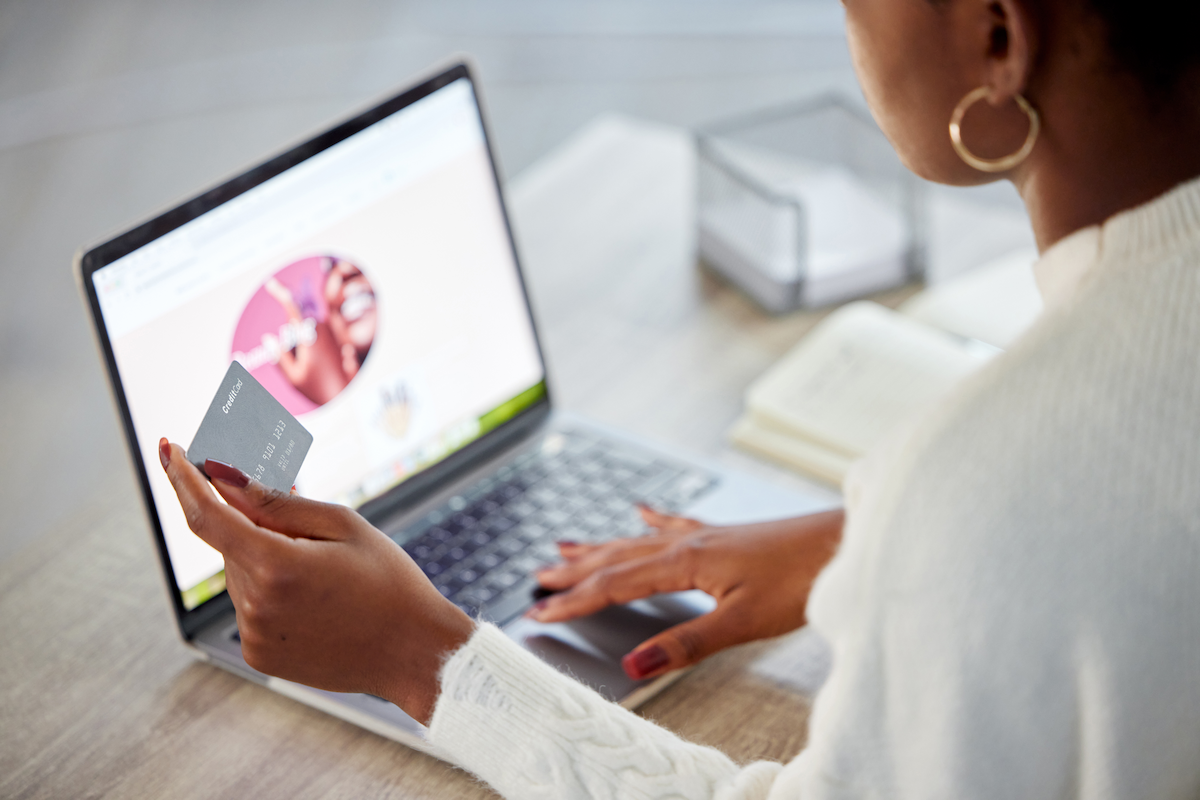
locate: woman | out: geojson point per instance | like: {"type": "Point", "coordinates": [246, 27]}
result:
{"type": "Point", "coordinates": [1013, 604]}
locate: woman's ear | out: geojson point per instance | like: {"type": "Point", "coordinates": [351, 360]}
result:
{"type": "Point", "coordinates": [1011, 44]}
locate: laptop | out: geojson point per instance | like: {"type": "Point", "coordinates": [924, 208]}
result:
{"type": "Point", "coordinates": [369, 280]}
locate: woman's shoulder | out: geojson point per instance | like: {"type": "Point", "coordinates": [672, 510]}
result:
{"type": "Point", "coordinates": [1071, 462]}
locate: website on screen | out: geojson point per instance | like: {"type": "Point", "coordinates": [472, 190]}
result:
{"type": "Point", "coordinates": [371, 289]}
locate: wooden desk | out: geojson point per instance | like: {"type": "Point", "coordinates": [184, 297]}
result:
{"type": "Point", "coordinates": [98, 698]}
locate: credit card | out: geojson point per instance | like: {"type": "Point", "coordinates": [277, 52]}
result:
{"type": "Point", "coordinates": [246, 427]}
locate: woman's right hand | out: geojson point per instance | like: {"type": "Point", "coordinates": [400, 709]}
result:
{"type": "Point", "coordinates": [322, 597]}
{"type": "Point", "coordinates": [760, 576]}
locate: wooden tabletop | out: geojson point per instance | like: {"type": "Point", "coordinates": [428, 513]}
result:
{"type": "Point", "coordinates": [99, 699]}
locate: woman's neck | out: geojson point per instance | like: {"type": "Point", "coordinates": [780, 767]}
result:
{"type": "Point", "coordinates": [1103, 152]}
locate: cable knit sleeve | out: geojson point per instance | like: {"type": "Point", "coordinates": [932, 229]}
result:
{"type": "Point", "coordinates": [531, 732]}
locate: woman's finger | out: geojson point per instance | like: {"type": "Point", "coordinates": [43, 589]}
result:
{"type": "Point", "coordinates": [579, 566]}
{"type": "Point", "coordinates": [571, 550]}
{"type": "Point", "coordinates": [222, 527]}
{"type": "Point", "coordinates": [284, 512]}
{"type": "Point", "coordinates": [620, 583]}
{"type": "Point", "coordinates": [667, 523]}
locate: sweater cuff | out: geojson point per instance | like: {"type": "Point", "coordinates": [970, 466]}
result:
{"type": "Point", "coordinates": [530, 731]}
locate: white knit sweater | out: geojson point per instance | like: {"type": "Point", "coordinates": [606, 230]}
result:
{"type": "Point", "coordinates": [1015, 609]}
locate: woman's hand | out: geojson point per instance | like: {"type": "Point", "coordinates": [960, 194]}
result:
{"type": "Point", "coordinates": [322, 597]}
{"type": "Point", "coordinates": [759, 574]}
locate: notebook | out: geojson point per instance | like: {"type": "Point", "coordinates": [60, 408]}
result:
{"type": "Point", "coordinates": [865, 368]}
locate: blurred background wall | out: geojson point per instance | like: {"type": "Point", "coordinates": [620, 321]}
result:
{"type": "Point", "coordinates": [110, 109]}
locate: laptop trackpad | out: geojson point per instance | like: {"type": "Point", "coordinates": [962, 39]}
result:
{"type": "Point", "coordinates": [590, 649]}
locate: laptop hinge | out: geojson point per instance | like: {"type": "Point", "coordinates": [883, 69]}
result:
{"type": "Point", "coordinates": [418, 488]}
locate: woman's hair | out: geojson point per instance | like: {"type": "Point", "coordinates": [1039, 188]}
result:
{"type": "Point", "coordinates": [1155, 40]}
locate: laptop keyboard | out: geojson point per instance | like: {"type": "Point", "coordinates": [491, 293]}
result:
{"type": "Point", "coordinates": [482, 547]}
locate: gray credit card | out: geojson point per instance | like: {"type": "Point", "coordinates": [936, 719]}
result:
{"type": "Point", "coordinates": [246, 427]}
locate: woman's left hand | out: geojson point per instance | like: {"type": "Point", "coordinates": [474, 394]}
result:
{"type": "Point", "coordinates": [759, 574]}
{"type": "Point", "coordinates": [322, 597]}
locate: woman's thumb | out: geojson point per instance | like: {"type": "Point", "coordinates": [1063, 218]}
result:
{"type": "Point", "coordinates": [682, 645]}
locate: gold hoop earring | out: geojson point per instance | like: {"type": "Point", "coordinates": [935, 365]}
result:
{"type": "Point", "coordinates": [992, 164]}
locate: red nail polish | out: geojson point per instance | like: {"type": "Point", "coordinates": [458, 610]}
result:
{"type": "Point", "coordinates": [540, 605]}
{"type": "Point", "coordinates": [567, 543]}
{"type": "Point", "coordinates": [535, 609]}
{"type": "Point", "coordinates": [164, 452]}
{"type": "Point", "coordinates": [641, 663]}
{"type": "Point", "coordinates": [226, 473]}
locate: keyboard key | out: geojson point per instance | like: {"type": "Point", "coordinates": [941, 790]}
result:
{"type": "Point", "coordinates": [601, 487]}
{"type": "Point", "coordinates": [525, 564]}
{"type": "Point", "coordinates": [488, 561]}
{"type": "Point", "coordinates": [509, 547]}
{"type": "Point", "coordinates": [521, 508]}
{"type": "Point", "coordinates": [593, 520]}
{"type": "Point", "coordinates": [572, 533]}
{"type": "Point", "coordinates": [474, 597]}
{"type": "Point", "coordinates": [505, 579]}
{"type": "Point", "coordinates": [543, 495]}
{"type": "Point", "coordinates": [449, 584]}
{"type": "Point", "coordinates": [510, 603]}
{"type": "Point", "coordinates": [616, 507]}
{"type": "Point", "coordinates": [545, 552]}
{"type": "Point", "coordinates": [532, 533]}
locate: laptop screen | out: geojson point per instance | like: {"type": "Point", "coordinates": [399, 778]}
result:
{"type": "Point", "coordinates": [371, 287]}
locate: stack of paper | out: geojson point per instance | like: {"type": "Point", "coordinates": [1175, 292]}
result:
{"type": "Point", "coordinates": [814, 235]}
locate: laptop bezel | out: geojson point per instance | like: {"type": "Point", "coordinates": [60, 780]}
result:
{"type": "Point", "coordinates": [394, 500]}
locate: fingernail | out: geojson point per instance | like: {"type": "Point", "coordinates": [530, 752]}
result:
{"type": "Point", "coordinates": [537, 608]}
{"type": "Point", "coordinates": [641, 663]}
{"type": "Point", "coordinates": [567, 543]}
{"type": "Point", "coordinates": [226, 473]}
{"type": "Point", "coordinates": [164, 452]}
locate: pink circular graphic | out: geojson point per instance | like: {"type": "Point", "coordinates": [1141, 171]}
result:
{"type": "Point", "coordinates": [306, 332]}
